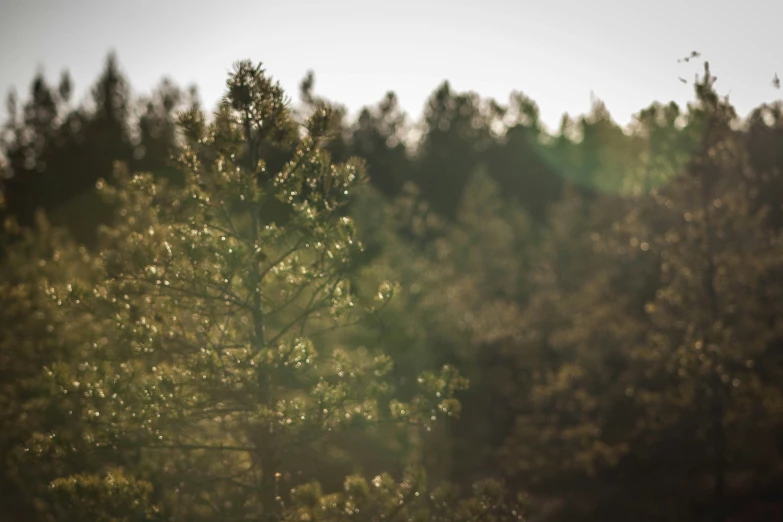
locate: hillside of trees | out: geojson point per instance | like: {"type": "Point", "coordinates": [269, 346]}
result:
{"type": "Point", "coordinates": [272, 311]}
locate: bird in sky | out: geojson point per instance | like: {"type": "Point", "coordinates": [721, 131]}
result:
{"type": "Point", "coordinates": [694, 54]}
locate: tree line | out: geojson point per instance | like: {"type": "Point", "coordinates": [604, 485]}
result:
{"type": "Point", "coordinates": [273, 312]}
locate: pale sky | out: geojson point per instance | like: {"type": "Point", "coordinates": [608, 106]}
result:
{"type": "Point", "coordinates": [556, 51]}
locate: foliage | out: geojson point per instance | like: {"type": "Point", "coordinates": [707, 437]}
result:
{"type": "Point", "coordinates": [198, 335]}
{"type": "Point", "coordinates": [254, 332]}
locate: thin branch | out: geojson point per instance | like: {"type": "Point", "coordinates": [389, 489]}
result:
{"type": "Point", "coordinates": [280, 259]}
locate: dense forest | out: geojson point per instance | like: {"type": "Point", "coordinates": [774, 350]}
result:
{"type": "Point", "coordinates": [274, 311]}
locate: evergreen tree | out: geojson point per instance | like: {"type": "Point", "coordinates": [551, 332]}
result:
{"type": "Point", "coordinates": [377, 137]}
{"type": "Point", "coordinates": [522, 163]}
{"type": "Point", "coordinates": [201, 372]}
{"type": "Point", "coordinates": [31, 339]}
{"type": "Point", "coordinates": [457, 134]}
{"type": "Point", "coordinates": [158, 135]}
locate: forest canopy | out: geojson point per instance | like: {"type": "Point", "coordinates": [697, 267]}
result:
{"type": "Point", "coordinates": [272, 311]}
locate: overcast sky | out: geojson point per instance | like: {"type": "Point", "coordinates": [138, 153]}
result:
{"type": "Point", "coordinates": [556, 51]}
